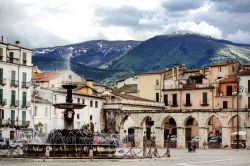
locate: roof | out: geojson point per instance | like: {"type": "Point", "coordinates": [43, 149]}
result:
{"type": "Point", "coordinates": [229, 79]}
{"type": "Point", "coordinates": [244, 73]}
{"type": "Point", "coordinates": [223, 63]}
{"type": "Point", "coordinates": [132, 88]}
{"type": "Point", "coordinates": [151, 72]}
{"type": "Point", "coordinates": [15, 45]}
{"type": "Point", "coordinates": [130, 97]}
{"type": "Point", "coordinates": [44, 76]}
{"type": "Point", "coordinates": [37, 99]}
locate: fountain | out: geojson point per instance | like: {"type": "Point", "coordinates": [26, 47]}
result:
{"type": "Point", "coordinates": [69, 142]}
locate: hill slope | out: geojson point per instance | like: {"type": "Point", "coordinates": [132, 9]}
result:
{"type": "Point", "coordinates": [190, 49]}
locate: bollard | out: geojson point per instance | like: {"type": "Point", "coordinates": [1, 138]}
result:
{"type": "Point", "coordinates": [47, 152]}
{"type": "Point", "coordinates": [168, 152]}
{"type": "Point", "coordinates": [91, 153]}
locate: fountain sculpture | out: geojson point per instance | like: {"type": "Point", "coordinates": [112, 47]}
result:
{"type": "Point", "coordinates": [69, 142]}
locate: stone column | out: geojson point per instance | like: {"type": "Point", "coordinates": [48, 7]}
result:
{"type": "Point", "coordinates": [225, 136]}
{"type": "Point", "coordinates": [181, 137]}
{"type": "Point", "coordinates": [202, 136]}
{"type": "Point", "coordinates": [138, 137]}
{"type": "Point", "coordinates": [248, 138]}
{"type": "Point", "coordinates": [159, 137]}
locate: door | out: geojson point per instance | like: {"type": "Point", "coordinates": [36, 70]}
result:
{"type": "Point", "coordinates": [225, 106]}
{"type": "Point", "coordinates": [229, 90]}
{"type": "Point", "coordinates": [23, 118]}
{"type": "Point", "coordinates": [13, 97]}
{"type": "Point", "coordinates": [12, 135]}
{"type": "Point", "coordinates": [248, 105]}
{"type": "Point", "coordinates": [157, 97]}
{"type": "Point", "coordinates": [13, 77]}
{"type": "Point", "coordinates": [12, 117]}
{"type": "Point", "coordinates": [24, 79]}
{"type": "Point", "coordinates": [1, 76]}
{"type": "Point", "coordinates": [1, 97]}
{"type": "Point", "coordinates": [24, 99]}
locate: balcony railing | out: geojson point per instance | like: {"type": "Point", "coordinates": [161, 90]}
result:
{"type": "Point", "coordinates": [14, 123]}
{"type": "Point", "coordinates": [3, 102]}
{"type": "Point", "coordinates": [3, 81]}
{"type": "Point", "coordinates": [187, 103]}
{"type": "Point", "coordinates": [25, 85]}
{"type": "Point", "coordinates": [13, 60]}
{"type": "Point", "coordinates": [25, 104]}
{"type": "Point", "coordinates": [173, 103]}
{"type": "Point", "coordinates": [14, 83]}
{"type": "Point", "coordinates": [204, 103]}
{"type": "Point", "coordinates": [14, 103]}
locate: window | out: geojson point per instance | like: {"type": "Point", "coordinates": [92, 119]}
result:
{"type": "Point", "coordinates": [174, 97]}
{"type": "Point", "coordinates": [1, 75]}
{"type": "Point", "coordinates": [46, 111]}
{"type": "Point", "coordinates": [1, 114]}
{"type": "Point", "coordinates": [96, 104]}
{"type": "Point", "coordinates": [83, 102]}
{"type": "Point", "coordinates": [24, 104]}
{"type": "Point", "coordinates": [229, 90]}
{"type": "Point", "coordinates": [157, 82]}
{"type": "Point", "coordinates": [70, 77]}
{"type": "Point", "coordinates": [1, 97]}
{"type": "Point", "coordinates": [12, 116]}
{"type": "Point", "coordinates": [165, 98]}
{"type": "Point", "coordinates": [78, 100]}
{"type": "Point", "coordinates": [91, 103]}
{"type": "Point", "coordinates": [35, 111]}
{"type": "Point", "coordinates": [13, 98]}
{"type": "Point", "coordinates": [1, 52]}
{"type": "Point", "coordinates": [219, 69]}
{"type": "Point", "coordinates": [188, 101]}
{"type": "Point", "coordinates": [24, 58]}
{"type": "Point", "coordinates": [24, 79]}
{"type": "Point", "coordinates": [204, 98]}
{"type": "Point", "coordinates": [248, 105]}
{"type": "Point", "coordinates": [157, 97]}
{"type": "Point", "coordinates": [11, 57]}
{"type": "Point", "coordinates": [248, 86]}
{"type": "Point", "coordinates": [90, 117]}
{"type": "Point", "coordinates": [55, 98]}
{"type": "Point", "coordinates": [78, 116]}
{"type": "Point", "coordinates": [13, 77]}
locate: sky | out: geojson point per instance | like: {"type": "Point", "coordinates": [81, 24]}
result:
{"type": "Point", "coordinates": [47, 23]}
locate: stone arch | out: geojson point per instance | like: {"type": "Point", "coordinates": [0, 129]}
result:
{"type": "Point", "coordinates": [213, 115]}
{"type": "Point", "coordinates": [191, 126]}
{"type": "Point", "coordinates": [169, 127]}
{"type": "Point", "coordinates": [214, 130]}
{"type": "Point", "coordinates": [144, 120]}
{"type": "Point", "coordinates": [148, 131]}
{"type": "Point", "coordinates": [127, 130]}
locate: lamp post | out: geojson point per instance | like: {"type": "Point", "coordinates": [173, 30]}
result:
{"type": "Point", "coordinates": [239, 88]}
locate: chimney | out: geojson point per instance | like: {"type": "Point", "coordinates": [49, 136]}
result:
{"type": "Point", "coordinates": [18, 43]}
{"type": "Point", "coordinates": [2, 39]}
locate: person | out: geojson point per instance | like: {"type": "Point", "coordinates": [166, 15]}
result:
{"type": "Point", "coordinates": [7, 143]}
{"type": "Point", "coordinates": [189, 146]}
{"type": "Point", "coordinates": [194, 147]}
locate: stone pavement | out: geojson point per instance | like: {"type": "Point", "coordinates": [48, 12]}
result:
{"type": "Point", "coordinates": [179, 157]}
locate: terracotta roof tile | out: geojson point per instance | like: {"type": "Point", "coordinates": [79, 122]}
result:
{"type": "Point", "coordinates": [130, 97]}
{"type": "Point", "coordinates": [223, 63]}
{"type": "Point", "coordinates": [44, 76]}
{"type": "Point", "coordinates": [229, 79]}
{"type": "Point", "coordinates": [132, 88]}
{"type": "Point", "coordinates": [244, 73]}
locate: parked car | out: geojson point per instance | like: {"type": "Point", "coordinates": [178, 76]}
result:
{"type": "Point", "coordinates": [17, 143]}
{"type": "Point", "coordinates": [3, 142]}
{"type": "Point", "coordinates": [173, 138]}
{"type": "Point", "coordinates": [214, 140]}
{"type": "Point", "coordinates": [195, 139]}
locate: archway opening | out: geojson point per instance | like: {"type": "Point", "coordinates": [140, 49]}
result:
{"type": "Point", "coordinates": [170, 132]}
{"type": "Point", "coordinates": [148, 132]}
{"type": "Point", "coordinates": [192, 131]}
{"type": "Point", "coordinates": [237, 129]}
{"type": "Point", "coordinates": [128, 131]}
{"type": "Point", "coordinates": [214, 130]}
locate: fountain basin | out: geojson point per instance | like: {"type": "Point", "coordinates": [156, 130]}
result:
{"type": "Point", "coordinates": [68, 150]}
{"type": "Point", "coordinates": [69, 106]}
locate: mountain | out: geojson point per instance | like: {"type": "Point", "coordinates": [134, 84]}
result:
{"type": "Point", "coordinates": [193, 50]}
{"type": "Point", "coordinates": [91, 53]}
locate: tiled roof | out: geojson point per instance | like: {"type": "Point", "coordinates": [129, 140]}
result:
{"type": "Point", "coordinates": [244, 73]}
{"type": "Point", "coordinates": [223, 63]}
{"type": "Point", "coordinates": [132, 88]}
{"type": "Point", "coordinates": [229, 79]}
{"type": "Point", "coordinates": [44, 76]}
{"type": "Point", "coordinates": [151, 72]}
{"type": "Point", "coordinates": [130, 97]}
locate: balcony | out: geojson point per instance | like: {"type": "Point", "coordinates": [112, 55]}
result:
{"type": "Point", "coordinates": [13, 60]}
{"type": "Point", "coordinates": [14, 103]}
{"type": "Point", "coordinates": [13, 83]}
{"type": "Point", "coordinates": [173, 103]}
{"type": "Point", "coordinates": [14, 123]}
{"type": "Point", "coordinates": [3, 102]}
{"type": "Point", "coordinates": [204, 103]}
{"type": "Point", "coordinates": [26, 104]}
{"type": "Point", "coordinates": [3, 81]}
{"type": "Point", "coordinates": [25, 85]}
{"type": "Point", "coordinates": [187, 103]}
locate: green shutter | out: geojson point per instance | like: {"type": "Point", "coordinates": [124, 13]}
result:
{"type": "Point", "coordinates": [1, 75]}
{"type": "Point", "coordinates": [24, 77]}
{"type": "Point", "coordinates": [24, 98]}
{"type": "Point", "coordinates": [13, 77]}
{"type": "Point", "coordinates": [13, 97]}
{"type": "Point", "coordinates": [24, 118]}
{"type": "Point", "coordinates": [1, 96]}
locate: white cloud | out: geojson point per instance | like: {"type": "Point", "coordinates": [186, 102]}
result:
{"type": "Point", "coordinates": [201, 28]}
{"type": "Point", "coordinates": [239, 37]}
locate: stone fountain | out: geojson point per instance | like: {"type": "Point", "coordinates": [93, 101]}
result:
{"type": "Point", "coordinates": [69, 142]}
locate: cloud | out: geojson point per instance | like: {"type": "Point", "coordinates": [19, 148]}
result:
{"type": "Point", "coordinates": [239, 37]}
{"type": "Point", "coordinates": [238, 6]}
{"type": "Point", "coordinates": [199, 27]}
{"type": "Point", "coordinates": [181, 5]}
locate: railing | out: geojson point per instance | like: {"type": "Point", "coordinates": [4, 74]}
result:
{"type": "Point", "coordinates": [173, 103]}
{"type": "Point", "coordinates": [25, 84]}
{"type": "Point", "coordinates": [3, 102]}
{"type": "Point", "coordinates": [204, 103]}
{"type": "Point", "coordinates": [14, 103]}
{"type": "Point", "coordinates": [26, 104]}
{"type": "Point", "coordinates": [187, 104]}
{"type": "Point", "coordinates": [14, 123]}
{"type": "Point", "coordinates": [135, 102]}
{"type": "Point", "coordinates": [14, 83]}
{"type": "Point", "coordinates": [13, 60]}
{"type": "Point", "coordinates": [3, 81]}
